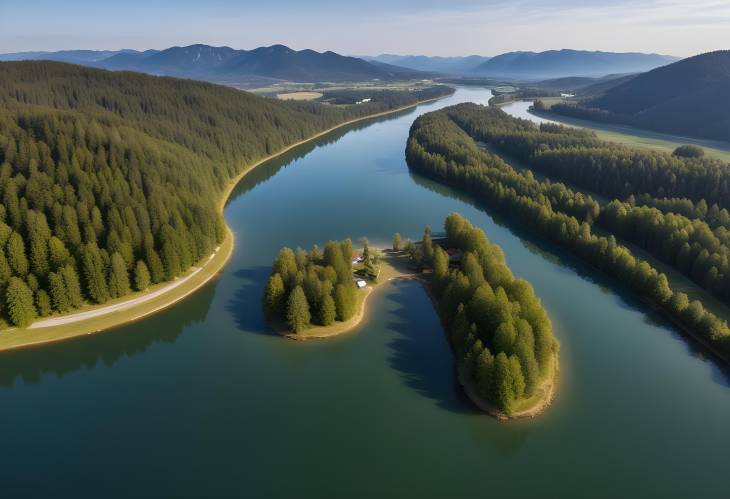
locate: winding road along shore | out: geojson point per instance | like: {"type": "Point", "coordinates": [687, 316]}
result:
{"type": "Point", "coordinates": [97, 318]}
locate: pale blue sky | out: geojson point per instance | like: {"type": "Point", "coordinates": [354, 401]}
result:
{"type": "Point", "coordinates": [455, 27]}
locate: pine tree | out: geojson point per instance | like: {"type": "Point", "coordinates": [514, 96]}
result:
{"type": "Point", "coordinates": [440, 266]}
{"type": "Point", "coordinates": [72, 285]}
{"type": "Point", "coordinates": [59, 296]}
{"type": "Point", "coordinates": [43, 303]}
{"type": "Point", "coordinates": [344, 301]}
{"type": "Point", "coordinates": [427, 246]}
{"type": "Point", "coordinates": [504, 384]}
{"type": "Point", "coordinates": [16, 254]}
{"type": "Point", "coordinates": [327, 311]}
{"type": "Point", "coordinates": [118, 277]}
{"type": "Point", "coordinates": [58, 255]}
{"type": "Point", "coordinates": [142, 277]}
{"type": "Point", "coordinates": [19, 303]}
{"type": "Point", "coordinates": [286, 266]}
{"type": "Point", "coordinates": [95, 279]}
{"type": "Point", "coordinates": [297, 310]}
{"type": "Point", "coordinates": [274, 297]}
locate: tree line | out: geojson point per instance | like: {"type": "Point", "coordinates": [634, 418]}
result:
{"type": "Point", "coordinates": [500, 334]}
{"type": "Point", "coordinates": [311, 288]}
{"type": "Point", "coordinates": [693, 247]}
{"type": "Point", "coordinates": [429, 151]}
{"type": "Point", "coordinates": [578, 156]}
{"type": "Point", "coordinates": [110, 182]}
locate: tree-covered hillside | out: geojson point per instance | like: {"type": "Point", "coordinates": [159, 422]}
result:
{"type": "Point", "coordinates": [111, 181]}
{"type": "Point", "coordinates": [674, 208]}
{"type": "Point", "coordinates": [689, 97]}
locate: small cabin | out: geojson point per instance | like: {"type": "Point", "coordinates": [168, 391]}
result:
{"type": "Point", "coordinates": [455, 255]}
{"type": "Point", "coordinates": [360, 283]}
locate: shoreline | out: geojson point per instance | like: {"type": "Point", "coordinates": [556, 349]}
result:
{"type": "Point", "coordinates": [10, 340]}
{"type": "Point", "coordinates": [390, 273]}
{"type": "Point", "coordinates": [470, 390]}
{"type": "Point", "coordinates": [548, 389]}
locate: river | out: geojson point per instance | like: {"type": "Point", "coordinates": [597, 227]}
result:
{"type": "Point", "coordinates": [202, 400]}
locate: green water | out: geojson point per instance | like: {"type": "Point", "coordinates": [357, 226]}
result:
{"type": "Point", "coordinates": [202, 401]}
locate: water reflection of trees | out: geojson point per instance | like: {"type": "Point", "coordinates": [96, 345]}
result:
{"type": "Point", "coordinates": [265, 171]}
{"type": "Point", "coordinates": [569, 263]}
{"type": "Point", "coordinates": [66, 357]}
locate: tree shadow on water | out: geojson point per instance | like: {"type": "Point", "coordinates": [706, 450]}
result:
{"type": "Point", "coordinates": [245, 304]}
{"type": "Point", "coordinates": [420, 352]}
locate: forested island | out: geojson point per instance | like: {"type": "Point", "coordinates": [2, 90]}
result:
{"type": "Point", "coordinates": [500, 334]}
{"type": "Point", "coordinates": [316, 288]}
{"type": "Point", "coordinates": [674, 207]}
{"type": "Point", "coordinates": [112, 182]}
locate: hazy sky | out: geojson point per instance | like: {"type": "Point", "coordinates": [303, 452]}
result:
{"type": "Point", "coordinates": [453, 27]}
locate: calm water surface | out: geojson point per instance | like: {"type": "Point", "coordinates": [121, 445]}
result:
{"type": "Point", "coordinates": [202, 401]}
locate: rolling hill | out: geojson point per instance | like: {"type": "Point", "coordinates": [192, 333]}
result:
{"type": "Point", "coordinates": [561, 63]}
{"type": "Point", "coordinates": [690, 97]}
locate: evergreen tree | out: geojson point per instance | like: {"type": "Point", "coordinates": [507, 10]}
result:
{"type": "Point", "coordinates": [59, 295]}
{"type": "Point", "coordinates": [504, 383]}
{"type": "Point", "coordinates": [344, 301]}
{"type": "Point", "coordinates": [142, 279]}
{"type": "Point", "coordinates": [118, 277]}
{"type": "Point", "coordinates": [274, 296]}
{"type": "Point", "coordinates": [19, 303]}
{"type": "Point", "coordinates": [72, 285]}
{"type": "Point", "coordinates": [95, 279]}
{"type": "Point", "coordinates": [43, 303]}
{"type": "Point", "coordinates": [16, 255]}
{"type": "Point", "coordinates": [297, 311]}
{"type": "Point", "coordinates": [327, 311]}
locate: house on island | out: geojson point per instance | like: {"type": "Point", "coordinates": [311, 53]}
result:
{"type": "Point", "coordinates": [360, 283]}
{"type": "Point", "coordinates": [455, 255]}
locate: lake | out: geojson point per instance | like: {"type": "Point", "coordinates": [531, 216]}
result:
{"type": "Point", "coordinates": [202, 400]}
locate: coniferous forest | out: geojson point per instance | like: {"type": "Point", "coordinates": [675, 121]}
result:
{"type": "Point", "coordinates": [311, 288]}
{"type": "Point", "coordinates": [111, 182]}
{"type": "Point", "coordinates": [499, 332]}
{"type": "Point", "coordinates": [674, 207]}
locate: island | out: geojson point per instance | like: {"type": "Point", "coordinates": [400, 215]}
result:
{"type": "Point", "coordinates": [500, 335]}
{"type": "Point", "coordinates": [322, 293]}
{"type": "Point", "coordinates": [544, 178]}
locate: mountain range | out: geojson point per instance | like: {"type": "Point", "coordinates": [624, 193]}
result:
{"type": "Point", "coordinates": [689, 97]}
{"type": "Point", "coordinates": [560, 63]}
{"type": "Point", "coordinates": [276, 63]}
{"type": "Point", "coordinates": [228, 65]}
{"type": "Point", "coordinates": [446, 65]}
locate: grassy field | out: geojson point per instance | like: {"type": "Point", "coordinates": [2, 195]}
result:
{"type": "Point", "coordinates": [637, 137]}
{"type": "Point", "coordinates": [299, 96]}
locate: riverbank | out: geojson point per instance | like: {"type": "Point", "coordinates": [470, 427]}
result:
{"type": "Point", "coordinates": [393, 265]}
{"type": "Point", "coordinates": [529, 408]}
{"type": "Point", "coordinates": [622, 134]}
{"type": "Point", "coordinates": [534, 406]}
{"type": "Point", "coordinates": [97, 318]}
